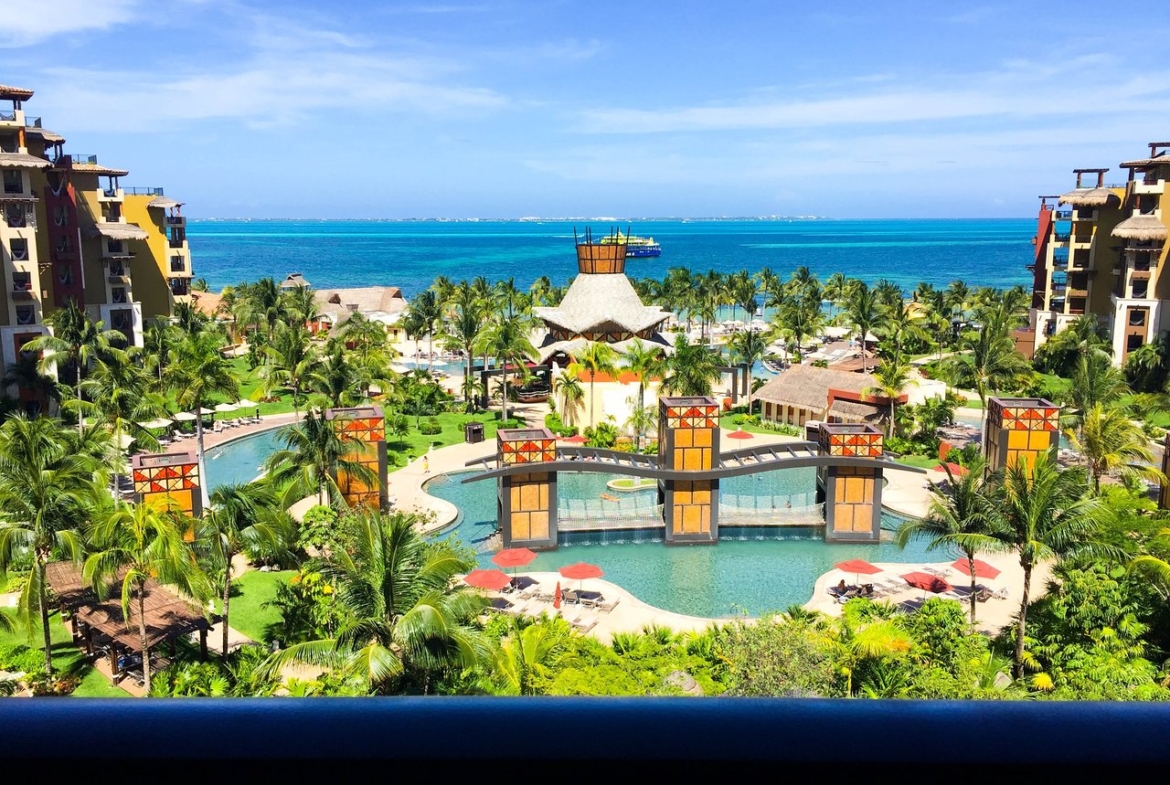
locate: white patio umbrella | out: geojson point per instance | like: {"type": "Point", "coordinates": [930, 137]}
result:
{"type": "Point", "coordinates": [245, 403]}
{"type": "Point", "coordinates": [124, 441]}
{"type": "Point", "coordinates": [185, 417]}
{"type": "Point", "coordinates": [205, 411]}
{"type": "Point", "coordinates": [225, 407]}
{"type": "Point", "coordinates": [158, 422]}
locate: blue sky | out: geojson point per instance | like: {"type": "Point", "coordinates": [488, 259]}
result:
{"type": "Point", "coordinates": [505, 109]}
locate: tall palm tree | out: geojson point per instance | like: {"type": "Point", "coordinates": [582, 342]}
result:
{"type": "Point", "coordinates": [990, 360]}
{"type": "Point", "coordinates": [427, 311]}
{"type": "Point", "coordinates": [406, 618]}
{"type": "Point", "coordinates": [691, 369]}
{"type": "Point", "coordinates": [311, 458]}
{"type": "Point", "coordinates": [466, 328]}
{"type": "Point", "coordinates": [769, 282]}
{"type": "Point", "coordinates": [259, 305]}
{"type": "Point", "coordinates": [834, 290]}
{"type": "Point", "coordinates": [1110, 441]}
{"type": "Point", "coordinates": [1044, 513]}
{"type": "Point", "coordinates": [300, 302]}
{"type": "Point", "coordinates": [334, 377]}
{"type": "Point", "coordinates": [597, 358]}
{"type": "Point", "coordinates": [290, 360]}
{"type": "Point", "coordinates": [74, 343]}
{"type": "Point", "coordinates": [568, 386]}
{"type": "Point", "coordinates": [198, 374]}
{"type": "Point", "coordinates": [747, 347]}
{"type": "Point", "coordinates": [158, 345]}
{"type": "Point", "coordinates": [892, 376]}
{"type": "Point", "coordinates": [243, 517]}
{"type": "Point", "coordinates": [866, 314]}
{"type": "Point", "coordinates": [508, 340]}
{"type": "Point", "coordinates": [644, 361]}
{"type": "Point", "coordinates": [860, 635]}
{"type": "Point", "coordinates": [132, 545]}
{"type": "Point", "coordinates": [797, 319]}
{"type": "Point", "coordinates": [47, 491]}
{"type": "Point", "coordinates": [961, 516]}
{"type": "Point", "coordinates": [527, 654]}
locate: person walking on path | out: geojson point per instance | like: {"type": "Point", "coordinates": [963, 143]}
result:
{"type": "Point", "coordinates": [426, 464]}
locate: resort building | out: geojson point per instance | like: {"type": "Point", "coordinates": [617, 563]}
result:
{"type": "Point", "coordinates": [1103, 256]}
{"type": "Point", "coordinates": [71, 232]}
{"type": "Point", "coordinates": [382, 304]}
{"type": "Point", "coordinates": [601, 306]}
{"type": "Point", "coordinates": [806, 393]}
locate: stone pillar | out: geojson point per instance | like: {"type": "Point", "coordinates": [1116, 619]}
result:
{"type": "Point", "coordinates": [852, 494]}
{"type": "Point", "coordinates": [528, 501]}
{"type": "Point", "coordinates": [688, 440]}
{"type": "Point", "coordinates": [1164, 491]}
{"type": "Point", "coordinates": [365, 428]}
{"type": "Point", "coordinates": [1019, 428]}
{"type": "Point", "coordinates": [169, 482]}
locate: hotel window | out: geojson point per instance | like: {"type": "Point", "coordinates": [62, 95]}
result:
{"type": "Point", "coordinates": [18, 247]}
{"type": "Point", "coordinates": [64, 275]}
{"type": "Point", "coordinates": [64, 245]}
{"type": "Point", "coordinates": [25, 314]}
{"type": "Point", "coordinates": [1139, 289]}
{"type": "Point", "coordinates": [60, 215]}
{"type": "Point", "coordinates": [8, 144]}
{"type": "Point", "coordinates": [13, 181]}
{"type": "Point", "coordinates": [1137, 317]}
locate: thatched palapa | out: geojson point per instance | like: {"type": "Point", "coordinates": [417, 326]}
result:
{"type": "Point", "coordinates": [163, 203]}
{"type": "Point", "coordinates": [45, 134]}
{"type": "Point", "coordinates": [806, 392]}
{"type": "Point", "coordinates": [118, 231]}
{"type": "Point", "coordinates": [23, 160]}
{"type": "Point", "coordinates": [98, 169]}
{"type": "Point", "coordinates": [1141, 228]}
{"type": "Point", "coordinates": [1090, 197]}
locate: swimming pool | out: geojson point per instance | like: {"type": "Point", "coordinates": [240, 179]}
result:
{"type": "Point", "coordinates": [773, 569]}
{"type": "Point", "coordinates": [241, 460]}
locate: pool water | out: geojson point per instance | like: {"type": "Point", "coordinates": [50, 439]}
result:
{"type": "Point", "coordinates": [775, 569]}
{"type": "Point", "coordinates": [242, 460]}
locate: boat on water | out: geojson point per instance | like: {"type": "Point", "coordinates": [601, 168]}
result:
{"type": "Point", "coordinates": [636, 247]}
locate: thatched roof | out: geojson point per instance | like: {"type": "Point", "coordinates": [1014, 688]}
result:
{"type": "Point", "coordinates": [602, 303]}
{"type": "Point", "coordinates": [163, 203]}
{"type": "Point", "coordinates": [807, 386]}
{"type": "Point", "coordinates": [98, 169]}
{"type": "Point", "coordinates": [23, 160]}
{"type": "Point", "coordinates": [547, 347]}
{"type": "Point", "coordinates": [118, 231]}
{"type": "Point", "coordinates": [854, 411]}
{"type": "Point", "coordinates": [10, 93]}
{"type": "Point", "coordinates": [1090, 197]}
{"type": "Point", "coordinates": [1146, 163]}
{"type": "Point", "coordinates": [379, 303]}
{"type": "Point", "coordinates": [294, 281]}
{"type": "Point", "coordinates": [44, 133]}
{"type": "Point", "coordinates": [207, 303]}
{"type": "Point", "coordinates": [1141, 227]}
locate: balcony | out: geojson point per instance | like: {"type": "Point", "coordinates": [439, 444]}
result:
{"type": "Point", "coordinates": [26, 315]}
{"type": "Point", "coordinates": [1060, 237]}
{"type": "Point", "coordinates": [180, 287]}
{"type": "Point", "coordinates": [178, 264]}
{"type": "Point", "coordinates": [1063, 215]}
{"type": "Point", "coordinates": [176, 220]}
{"type": "Point", "coordinates": [19, 218]}
{"type": "Point", "coordinates": [7, 115]}
{"type": "Point", "coordinates": [83, 159]}
{"type": "Point", "coordinates": [139, 191]}
{"type": "Point", "coordinates": [1149, 186]}
{"type": "Point", "coordinates": [176, 242]}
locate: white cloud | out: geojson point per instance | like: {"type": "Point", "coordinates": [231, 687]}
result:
{"type": "Point", "coordinates": [27, 24]}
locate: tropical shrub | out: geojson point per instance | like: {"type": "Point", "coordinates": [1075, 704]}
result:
{"type": "Point", "coordinates": [318, 528]}
{"type": "Point", "coordinates": [603, 435]}
{"type": "Point", "coordinates": [307, 609]}
{"type": "Point", "coordinates": [430, 427]}
{"type": "Point", "coordinates": [776, 658]}
{"type": "Point", "coordinates": [21, 659]}
{"type": "Point", "coordinates": [55, 686]}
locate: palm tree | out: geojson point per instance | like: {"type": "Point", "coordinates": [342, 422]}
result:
{"type": "Point", "coordinates": [866, 314]}
{"type": "Point", "coordinates": [891, 376]}
{"type": "Point", "coordinates": [291, 360]}
{"type": "Point", "coordinates": [991, 360]}
{"type": "Point", "coordinates": [834, 290]}
{"type": "Point", "coordinates": [311, 458]}
{"type": "Point", "coordinates": [427, 313]}
{"type": "Point", "coordinates": [73, 344]}
{"type": "Point", "coordinates": [904, 323]}
{"type": "Point", "coordinates": [597, 358]}
{"type": "Point", "coordinates": [747, 347]}
{"type": "Point", "coordinates": [961, 516]}
{"type": "Point", "coordinates": [769, 282]}
{"type": "Point", "coordinates": [259, 304]}
{"type": "Point", "coordinates": [301, 304]}
{"type": "Point", "coordinates": [334, 377]}
{"type": "Point", "coordinates": [798, 318]}
{"type": "Point", "coordinates": [405, 617]}
{"type": "Point", "coordinates": [466, 329]}
{"type": "Point", "coordinates": [1043, 513]}
{"type": "Point", "coordinates": [644, 361]}
{"type": "Point", "coordinates": [569, 388]}
{"type": "Point", "coordinates": [132, 545]}
{"type": "Point", "coordinates": [47, 491]}
{"type": "Point", "coordinates": [691, 369]}
{"type": "Point", "coordinates": [1110, 441]}
{"type": "Point", "coordinates": [198, 373]}
{"type": "Point", "coordinates": [527, 654]}
{"type": "Point", "coordinates": [507, 339]}
{"type": "Point", "coordinates": [158, 345]}
{"type": "Point", "coordinates": [243, 517]}
{"type": "Point", "coordinates": [860, 634]}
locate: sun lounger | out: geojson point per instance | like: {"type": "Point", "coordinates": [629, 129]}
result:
{"type": "Point", "coordinates": [570, 596]}
{"type": "Point", "coordinates": [606, 607]}
{"type": "Point", "coordinates": [583, 627]}
{"type": "Point", "coordinates": [1002, 594]}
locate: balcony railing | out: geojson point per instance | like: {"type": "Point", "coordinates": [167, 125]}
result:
{"type": "Point", "coordinates": [20, 285]}
{"type": "Point", "coordinates": [7, 115]}
{"type": "Point", "coordinates": [1064, 215]}
{"type": "Point", "coordinates": [32, 122]}
{"type": "Point", "coordinates": [1061, 237]}
{"type": "Point", "coordinates": [139, 191]}
{"type": "Point", "coordinates": [9, 146]}
{"type": "Point", "coordinates": [176, 220]}
{"type": "Point", "coordinates": [177, 242]}
{"type": "Point", "coordinates": [81, 158]}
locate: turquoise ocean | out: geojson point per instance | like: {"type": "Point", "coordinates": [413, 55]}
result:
{"type": "Point", "coordinates": [410, 254]}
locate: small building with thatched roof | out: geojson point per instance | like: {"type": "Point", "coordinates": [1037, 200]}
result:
{"type": "Point", "coordinates": [806, 392]}
{"type": "Point", "coordinates": [383, 304]}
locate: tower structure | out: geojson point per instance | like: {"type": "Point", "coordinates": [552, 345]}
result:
{"type": "Point", "coordinates": [688, 440]}
{"type": "Point", "coordinates": [365, 428]}
{"type": "Point", "coordinates": [852, 494]}
{"type": "Point", "coordinates": [527, 503]}
{"type": "Point", "coordinates": [1019, 428]}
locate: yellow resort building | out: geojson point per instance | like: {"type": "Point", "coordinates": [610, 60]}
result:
{"type": "Point", "coordinates": [1100, 250]}
{"type": "Point", "coordinates": [69, 231]}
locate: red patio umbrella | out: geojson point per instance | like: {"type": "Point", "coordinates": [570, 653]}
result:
{"type": "Point", "coordinates": [581, 570]}
{"type": "Point", "coordinates": [492, 580]}
{"type": "Point", "coordinates": [982, 568]}
{"type": "Point", "coordinates": [514, 557]}
{"type": "Point", "coordinates": [858, 567]}
{"type": "Point", "coordinates": [738, 434]}
{"type": "Point", "coordinates": [927, 582]}
{"type": "Point", "coordinates": [557, 596]}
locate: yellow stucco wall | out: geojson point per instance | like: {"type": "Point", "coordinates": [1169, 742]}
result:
{"type": "Point", "coordinates": [149, 268]}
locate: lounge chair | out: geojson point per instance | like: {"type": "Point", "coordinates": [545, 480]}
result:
{"type": "Point", "coordinates": [590, 599]}
{"type": "Point", "coordinates": [1001, 594]}
{"type": "Point", "coordinates": [608, 606]}
{"type": "Point", "coordinates": [584, 627]}
{"type": "Point", "coordinates": [570, 596]}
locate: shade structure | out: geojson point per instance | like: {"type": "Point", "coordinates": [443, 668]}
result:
{"type": "Point", "coordinates": [737, 434]}
{"type": "Point", "coordinates": [982, 568]}
{"type": "Point", "coordinates": [492, 580]}
{"type": "Point", "coordinates": [158, 422]}
{"type": "Point", "coordinates": [514, 557]}
{"type": "Point", "coordinates": [226, 407]}
{"type": "Point", "coordinates": [558, 596]}
{"type": "Point", "coordinates": [205, 411]}
{"type": "Point", "coordinates": [578, 439]}
{"type": "Point", "coordinates": [927, 582]}
{"type": "Point", "coordinates": [581, 570]}
{"type": "Point", "coordinates": [858, 567]}
{"type": "Point", "coordinates": [185, 417]}
{"type": "Point", "coordinates": [245, 403]}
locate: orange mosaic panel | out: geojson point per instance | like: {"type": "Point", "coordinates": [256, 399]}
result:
{"type": "Point", "coordinates": [362, 429]}
{"type": "Point", "coordinates": [853, 500]}
{"type": "Point", "coordinates": [861, 445]}
{"type": "Point", "coordinates": [1042, 416]}
{"type": "Point", "coordinates": [528, 451]}
{"type": "Point", "coordinates": [691, 508]}
{"type": "Point", "coordinates": [703, 416]}
{"type": "Point", "coordinates": [530, 499]}
{"type": "Point", "coordinates": [166, 479]}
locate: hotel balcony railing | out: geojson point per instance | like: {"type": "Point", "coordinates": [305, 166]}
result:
{"type": "Point", "coordinates": [81, 158]}
{"type": "Point", "coordinates": [176, 220]}
{"type": "Point", "coordinates": [25, 316]}
{"type": "Point", "coordinates": [22, 286]}
{"type": "Point", "coordinates": [20, 220]}
{"type": "Point", "coordinates": [1060, 237]}
{"type": "Point", "coordinates": [14, 188]}
{"type": "Point", "coordinates": [9, 147]}
{"type": "Point", "coordinates": [178, 267]}
{"type": "Point", "coordinates": [32, 122]}
{"type": "Point", "coordinates": [140, 191]}
{"type": "Point", "coordinates": [7, 115]}
{"type": "Point", "coordinates": [177, 242]}
{"type": "Point", "coordinates": [1063, 215]}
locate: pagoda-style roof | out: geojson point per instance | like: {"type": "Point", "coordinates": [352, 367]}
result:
{"type": "Point", "coordinates": [547, 345]}
{"type": "Point", "coordinates": [602, 303]}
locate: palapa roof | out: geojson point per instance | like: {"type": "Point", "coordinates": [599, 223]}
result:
{"type": "Point", "coordinates": [546, 346]}
{"type": "Point", "coordinates": [163, 203]}
{"type": "Point", "coordinates": [603, 303]}
{"type": "Point", "coordinates": [1146, 163]}
{"type": "Point", "coordinates": [23, 160]}
{"type": "Point", "coordinates": [10, 93]}
{"type": "Point", "coordinates": [44, 133]}
{"type": "Point", "coordinates": [856, 411]}
{"type": "Point", "coordinates": [378, 303]}
{"type": "Point", "coordinates": [293, 281]}
{"type": "Point", "coordinates": [98, 169]}
{"type": "Point", "coordinates": [118, 231]}
{"type": "Point", "coordinates": [1141, 227]}
{"type": "Point", "coordinates": [207, 302]}
{"type": "Point", "coordinates": [1090, 197]}
{"type": "Point", "coordinates": [807, 386]}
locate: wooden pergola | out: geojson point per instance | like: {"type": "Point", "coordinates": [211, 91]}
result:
{"type": "Point", "coordinates": [168, 616]}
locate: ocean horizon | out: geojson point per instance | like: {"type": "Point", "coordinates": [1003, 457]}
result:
{"type": "Point", "coordinates": [411, 253]}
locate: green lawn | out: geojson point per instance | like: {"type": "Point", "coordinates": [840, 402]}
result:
{"type": "Point", "coordinates": [920, 461]}
{"type": "Point", "coordinates": [415, 444]}
{"type": "Point", "coordinates": [67, 657]}
{"type": "Point", "coordinates": [251, 591]}
{"type": "Point", "coordinates": [728, 421]}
